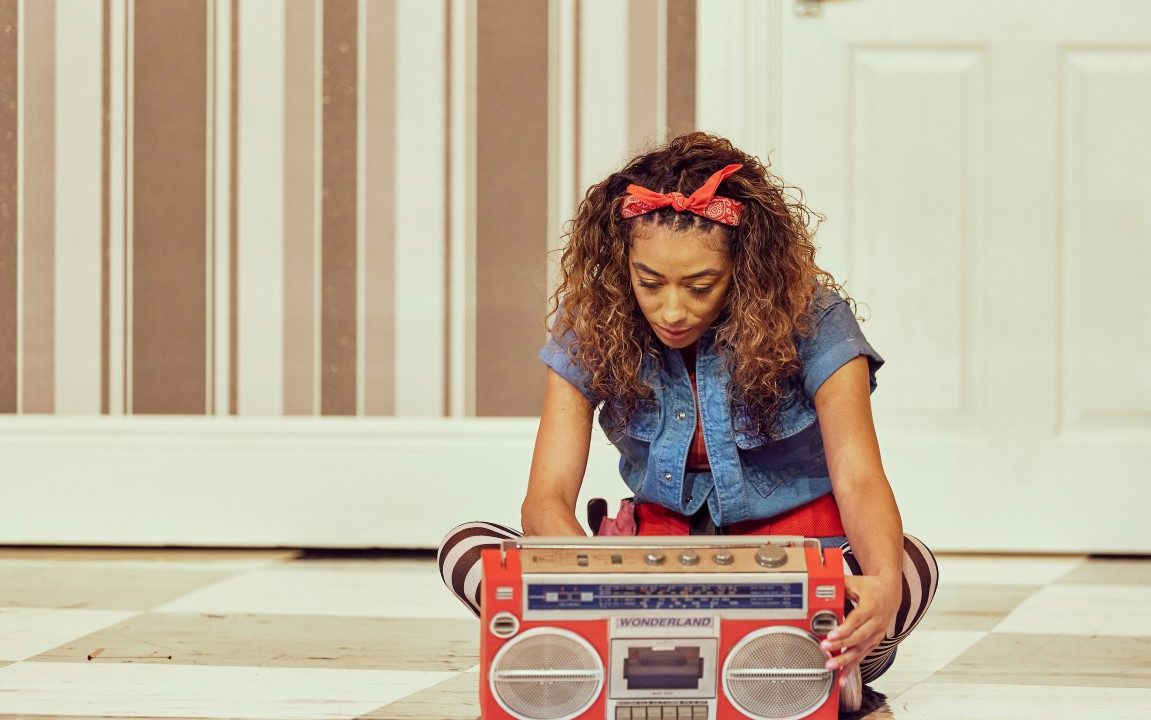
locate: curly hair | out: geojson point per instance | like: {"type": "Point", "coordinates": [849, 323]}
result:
{"type": "Point", "coordinates": [768, 305]}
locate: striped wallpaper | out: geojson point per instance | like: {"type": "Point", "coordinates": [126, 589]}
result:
{"type": "Point", "coordinates": [295, 207]}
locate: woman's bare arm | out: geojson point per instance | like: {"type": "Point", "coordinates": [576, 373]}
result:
{"type": "Point", "coordinates": [559, 461]}
{"type": "Point", "coordinates": [866, 503]}
{"type": "Point", "coordinates": [867, 507]}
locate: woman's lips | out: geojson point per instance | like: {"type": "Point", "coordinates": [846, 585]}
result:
{"type": "Point", "coordinates": [674, 334]}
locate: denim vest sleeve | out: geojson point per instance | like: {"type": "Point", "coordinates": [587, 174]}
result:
{"type": "Point", "coordinates": [555, 355]}
{"type": "Point", "coordinates": [836, 340]}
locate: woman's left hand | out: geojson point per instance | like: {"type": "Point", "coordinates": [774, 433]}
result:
{"type": "Point", "coordinates": [876, 602]}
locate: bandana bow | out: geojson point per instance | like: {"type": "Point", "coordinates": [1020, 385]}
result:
{"type": "Point", "coordinates": [703, 202]}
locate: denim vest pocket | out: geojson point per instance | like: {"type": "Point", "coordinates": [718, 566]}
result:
{"type": "Point", "coordinates": [645, 422]}
{"type": "Point", "coordinates": [772, 466]}
{"type": "Point", "coordinates": [796, 414]}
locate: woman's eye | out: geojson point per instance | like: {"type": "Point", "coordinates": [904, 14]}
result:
{"type": "Point", "coordinates": [648, 284]}
{"type": "Point", "coordinates": [701, 289]}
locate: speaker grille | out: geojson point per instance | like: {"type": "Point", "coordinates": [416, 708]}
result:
{"type": "Point", "coordinates": [777, 673]}
{"type": "Point", "coordinates": [546, 674]}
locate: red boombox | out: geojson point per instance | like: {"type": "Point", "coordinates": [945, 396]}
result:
{"type": "Point", "coordinates": [643, 628]}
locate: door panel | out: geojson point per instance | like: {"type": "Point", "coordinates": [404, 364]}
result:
{"type": "Point", "coordinates": [985, 175]}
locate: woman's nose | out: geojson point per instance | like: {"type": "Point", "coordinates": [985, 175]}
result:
{"type": "Point", "coordinates": [673, 310]}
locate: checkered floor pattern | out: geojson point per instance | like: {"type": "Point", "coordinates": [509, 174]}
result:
{"type": "Point", "coordinates": [181, 633]}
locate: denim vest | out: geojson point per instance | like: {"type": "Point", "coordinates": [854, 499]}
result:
{"type": "Point", "coordinates": [752, 476]}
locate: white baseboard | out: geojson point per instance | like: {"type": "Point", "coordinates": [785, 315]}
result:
{"type": "Point", "coordinates": [392, 483]}
{"type": "Point", "coordinates": [311, 482]}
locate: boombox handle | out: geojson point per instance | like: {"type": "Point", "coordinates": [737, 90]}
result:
{"type": "Point", "coordinates": [653, 542]}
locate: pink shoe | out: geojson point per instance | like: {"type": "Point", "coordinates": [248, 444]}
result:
{"type": "Point", "coordinates": [851, 692]}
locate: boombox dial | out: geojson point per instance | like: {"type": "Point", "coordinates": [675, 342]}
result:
{"type": "Point", "coordinates": [655, 558]}
{"type": "Point", "coordinates": [771, 556]}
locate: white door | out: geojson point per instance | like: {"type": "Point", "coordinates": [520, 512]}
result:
{"type": "Point", "coordinates": [985, 169]}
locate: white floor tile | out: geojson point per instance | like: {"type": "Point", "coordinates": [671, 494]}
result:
{"type": "Point", "coordinates": [26, 632]}
{"type": "Point", "coordinates": [321, 591]}
{"type": "Point", "coordinates": [1083, 610]}
{"type": "Point", "coordinates": [933, 701]}
{"type": "Point", "coordinates": [157, 691]}
{"type": "Point", "coordinates": [993, 570]}
{"type": "Point", "coordinates": [222, 564]}
{"type": "Point", "coordinates": [924, 653]}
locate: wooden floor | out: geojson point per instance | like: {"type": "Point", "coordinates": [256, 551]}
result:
{"type": "Point", "coordinates": [287, 634]}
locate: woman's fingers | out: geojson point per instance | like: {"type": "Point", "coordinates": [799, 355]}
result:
{"type": "Point", "coordinates": [862, 630]}
{"type": "Point", "coordinates": [852, 654]}
{"type": "Point", "coordinates": [847, 658]}
{"type": "Point", "coordinates": [858, 624]}
{"type": "Point", "coordinates": [864, 645]}
{"type": "Point", "coordinates": [850, 644]}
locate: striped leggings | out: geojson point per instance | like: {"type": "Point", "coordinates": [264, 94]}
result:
{"type": "Point", "coordinates": [459, 561]}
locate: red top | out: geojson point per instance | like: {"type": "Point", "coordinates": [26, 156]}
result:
{"type": "Point", "coordinates": [697, 451]}
{"type": "Point", "coordinates": [818, 518]}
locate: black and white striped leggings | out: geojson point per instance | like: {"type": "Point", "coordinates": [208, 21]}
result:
{"type": "Point", "coordinates": [459, 560]}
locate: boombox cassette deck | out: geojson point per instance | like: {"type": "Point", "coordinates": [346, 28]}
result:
{"type": "Point", "coordinates": [651, 628]}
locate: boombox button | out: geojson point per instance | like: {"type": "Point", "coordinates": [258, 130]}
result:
{"type": "Point", "coordinates": [724, 557]}
{"type": "Point", "coordinates": [654, 558]}
{"type": "Point", "coordinates": [689, 558]}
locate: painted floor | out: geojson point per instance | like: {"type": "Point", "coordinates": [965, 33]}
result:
{"type": "Point", "coordinates": [177, 633]}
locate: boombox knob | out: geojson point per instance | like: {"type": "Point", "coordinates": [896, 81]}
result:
{"type": "Point", "coordinates": [655, 558]}
{"type": "Point", "coordinates": [724, 557]}
{"type": "Point", "coordinates": [771, 556]}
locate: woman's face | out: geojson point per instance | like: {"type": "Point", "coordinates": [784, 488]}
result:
{"type": "Point", "coordinates": [680, 279]}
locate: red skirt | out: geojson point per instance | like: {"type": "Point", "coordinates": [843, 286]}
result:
{"type": "Point", "coordinates": [818, 518]}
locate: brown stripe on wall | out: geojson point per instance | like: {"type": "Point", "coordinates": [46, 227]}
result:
{"type": "Point", "coordinates": [39, 322]}
{"type": "Point", "coordinates": [511, 204]}
{"type": "Point", "coordinates": [211, 239]}
{"type": "Point", "coordinates": [299, 207]}
{"type": "Point", "coordinates": [169, 232]}
{"type": "Point", "coordinates": [9, 149]}
{"type": "Point", "coordinates": [379, 215]}
{"type": "Point", "coordinates": [338, 256]}
{"type": "Point", "coordinates": [643, 70]}
{"type": "Point", "coordinates": [681, 28]}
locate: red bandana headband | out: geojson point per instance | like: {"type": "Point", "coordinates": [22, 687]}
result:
{"type": "Point", "coordinates": [703, 202]}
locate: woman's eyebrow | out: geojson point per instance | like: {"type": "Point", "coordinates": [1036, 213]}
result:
{"type": "Point", "coordinates": [710, 272]}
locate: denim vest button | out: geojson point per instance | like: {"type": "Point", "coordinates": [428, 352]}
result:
{"type": "Point", "coordinates": [680, 415]}
{"type": "Point", "coordinates": [667, 476]}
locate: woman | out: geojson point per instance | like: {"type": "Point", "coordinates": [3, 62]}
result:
{"type": "Point", "coordinates": [732, 377]}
